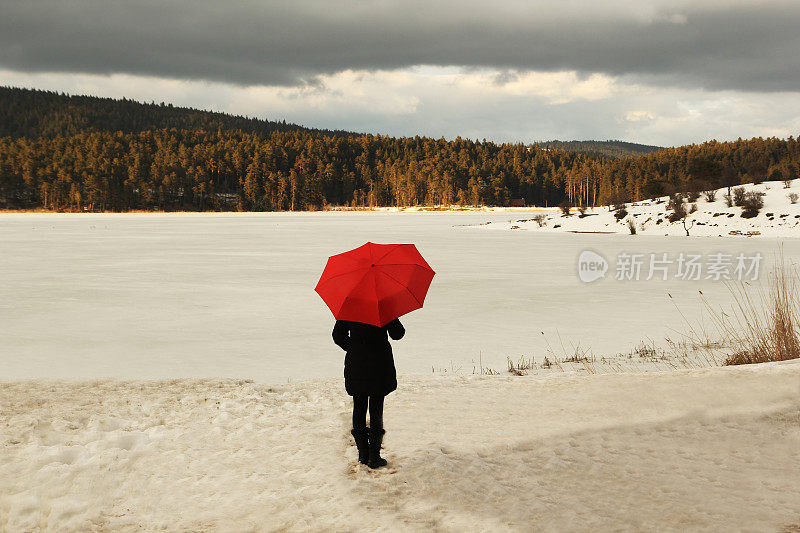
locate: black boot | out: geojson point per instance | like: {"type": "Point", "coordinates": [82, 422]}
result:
{"type": "Point", "coordinates": [375, 439]}
{"type": "Point", "coordinates": [362, 443]}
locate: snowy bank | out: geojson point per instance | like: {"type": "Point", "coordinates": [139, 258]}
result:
{"type": "Point", "coordinates": [711, 449]}
{"type": "Point", "coordinates": [778, 218]}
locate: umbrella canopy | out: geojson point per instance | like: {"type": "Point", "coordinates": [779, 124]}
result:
{"type": "Point", "coordinates": [375, 283]}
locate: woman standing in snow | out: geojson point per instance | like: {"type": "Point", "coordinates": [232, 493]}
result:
{"type": "Point", "coordinates": [369, 375]}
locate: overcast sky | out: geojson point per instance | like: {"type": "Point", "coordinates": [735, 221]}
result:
{"type": "Point", "coordinates": [664, 72]}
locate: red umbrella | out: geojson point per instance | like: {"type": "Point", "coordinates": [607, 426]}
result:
{"type": "Point", "coordinates": [375, 283]}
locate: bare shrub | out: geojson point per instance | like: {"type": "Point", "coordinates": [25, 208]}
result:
{"type": "Point", "coordinates": [616, 198]}
{"type": "Point", "coordinates": [540, 219]}
{"type": "Point", "coordinates": [693, 209]}
{"type": "Point", "coordinates": [787, 184]}
{"type": "Point", "coordinates": [565, 207]}
{"type": "Point", "coordinates": [687, 228]}
{"type": "Point", "coordinates": [620, 213]}
{"type": "Point", "coordinates": [738, 196]}
{"type": "Point", "coordinates": [678, 208]}
{"type": "Point", "coordinates": [728, 200]}
{"type": "Point", "coordinates": [632, 226]}
{"type": "Point", "coordinates": [792, 196]}
{"type": "Point", "coordinates": [752, 204]}
{"type": "Point", "coordinates": [711, 196]}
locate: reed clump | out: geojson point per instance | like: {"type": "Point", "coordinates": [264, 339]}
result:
{"type": "Point", "coordinates": [763, 324]}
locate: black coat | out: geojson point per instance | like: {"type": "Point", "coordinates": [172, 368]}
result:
{"type": "Point", "coordinates": [368, 364]}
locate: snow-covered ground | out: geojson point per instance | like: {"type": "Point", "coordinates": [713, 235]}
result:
{"type": "Point", "coordinates": [695, 450]}
{"type": "Point", "coordinates": [231, 296]}
{"type": "Point", "coordinates": [778, 218]}
{"type": "Point", "coordinates": [86, 296]}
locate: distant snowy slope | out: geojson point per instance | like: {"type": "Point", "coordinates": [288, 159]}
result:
{"type": "Point", "coordinates": [778, 218]}
{"type": "Point", "coordinates": [714, 449]}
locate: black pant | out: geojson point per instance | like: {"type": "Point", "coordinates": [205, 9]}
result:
{"type": "Point", "coordinates": [360, 412]}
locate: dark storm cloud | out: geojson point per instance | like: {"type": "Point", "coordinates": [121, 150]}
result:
{"type": "Point", "coordinates": [741, 46]}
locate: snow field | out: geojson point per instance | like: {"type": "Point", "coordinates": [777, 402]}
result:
{"type": "Point", "coordinates": [217, 295]}
{"type": "Point", "coordinates": [779, 217]}
{"type": "Point", "coordinates": [709, 449]}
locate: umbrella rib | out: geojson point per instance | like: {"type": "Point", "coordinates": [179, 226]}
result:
{"type": "Point", "coordinates": [406, 264]}
{"type": "Point", "coordinates": [404, 286]}
{"type": "Point", "coordinates": [377, 300]}
{"type": "Point", "coordinates": [344, 302]}
{"type": "Point", "coordinates": [397, 247]}
{"type": "Point", "coordinates": [350, 298]}
{"type": "Point", "coordinates": [344, 274]}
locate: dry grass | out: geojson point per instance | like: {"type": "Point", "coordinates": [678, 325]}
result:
{"type": "Point", "coordinates": [444, 370]}
{"type": "Point", "coordinates": [762, 325]}
{"type": "Point", "coordinates": [693, 353]}
{"type": "Point", "coordinates": [521, 367]}
{"type": "Point", "coordinates": [483, 370]}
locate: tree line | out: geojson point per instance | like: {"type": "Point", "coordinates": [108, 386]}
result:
{"type": "Point", "coordinates": [194, 169]}
{"type": "Point", "coordinates": [82, 153]}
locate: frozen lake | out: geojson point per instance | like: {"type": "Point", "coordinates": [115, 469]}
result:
{"type": "Point", "coordinates": [201, 295]}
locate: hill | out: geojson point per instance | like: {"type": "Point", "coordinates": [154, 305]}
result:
{"type": "Point", "coordinates": [614, 149]}
{"type": "Point", "coordinates": [710, 214]}
{"type": "Point", "coordinates": [34, 113]}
